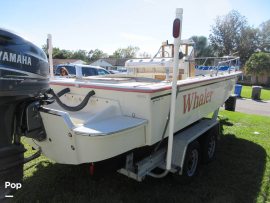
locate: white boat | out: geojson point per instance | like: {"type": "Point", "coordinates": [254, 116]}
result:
{"type": "Point", "coordinates": [128, 112]}
{"type": "Point", "coordinates": [152, 117]}
{"type": "Point", "coordinates": [125, 113]}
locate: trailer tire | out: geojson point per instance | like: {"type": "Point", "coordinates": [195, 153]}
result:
{"type": "Point", "coordinates": [192, 160]}
{"type": "Point", "coordinates": [208, 145]}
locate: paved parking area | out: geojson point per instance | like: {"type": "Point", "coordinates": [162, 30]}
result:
{"type": "Point", "coordinates": [253, 106]}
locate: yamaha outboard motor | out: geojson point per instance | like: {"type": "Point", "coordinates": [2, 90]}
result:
{"type": "Point", "coordinates": [23, 81]}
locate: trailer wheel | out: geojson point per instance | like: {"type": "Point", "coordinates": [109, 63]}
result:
{"type": "Point", "coordinates": [209, 144]}
{"type": "Point", "coordinates": [192, 160]}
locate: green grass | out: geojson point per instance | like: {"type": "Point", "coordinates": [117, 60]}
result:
{"type": "Point", "coordinates": [246, 92]}
{"type": "Point", "coordinates": [240, 173]}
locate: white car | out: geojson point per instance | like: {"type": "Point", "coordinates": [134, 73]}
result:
{"type": "Point", "coordinates": [80, 70]}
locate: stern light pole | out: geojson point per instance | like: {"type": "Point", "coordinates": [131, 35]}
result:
{"type": "Point", "coordinates": [177, 26]}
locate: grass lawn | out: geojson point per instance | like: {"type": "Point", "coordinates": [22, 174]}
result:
{"type": "Point", "coordinates": [246, 92]}
{"type": "Point", "coordinates": [240, 173]}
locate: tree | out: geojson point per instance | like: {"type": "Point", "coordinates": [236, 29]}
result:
{"type": "Point", "coordinates": [96, 54]}
{"type": "Point", "coordinates": [80, 54]}
{"type": "Point", "coordinates": [232, 34]}
{"type": "Point", "coordinates": [202, 48]}
{"type": "Point", "coordinates": [129, 52]}
{"type": "Point", "coordinates": [61, 53]}
{"type": "Point", "coordinates": [88, 56]}
{"type": "Point", "coordinates": [248, 43]}
{"type": "Point", "coordinates": [258, 63]}
{"type": "Point", "coordinates": [145, 55]}
{"type": "Point", "coordinates": [58, 53]}
{"type": "Point", "coordinates": [265, 36]}
{"type": "Point", "coordinates": [226, 33]}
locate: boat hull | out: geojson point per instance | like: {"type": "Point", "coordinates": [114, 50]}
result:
{"type": "Point", "coordinates": [93, 134]}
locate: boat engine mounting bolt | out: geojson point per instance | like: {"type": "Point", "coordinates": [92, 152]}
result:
{"type": "Point", "coordinates": [72, 147]}
{"type": "Point", "coordinates": [69, 134]}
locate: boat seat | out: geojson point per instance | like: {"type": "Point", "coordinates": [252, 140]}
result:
{"type": "Point", "coordinates": [109, 126]}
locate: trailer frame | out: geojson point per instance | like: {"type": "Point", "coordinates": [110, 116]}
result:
{"type": "Point", "coordinates": [139, 170]}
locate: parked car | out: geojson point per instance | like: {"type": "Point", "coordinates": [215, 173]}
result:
{"type": "Point", "coordinates": [114, 71]}
{"type": "Point", "coordinates": [80, 70]}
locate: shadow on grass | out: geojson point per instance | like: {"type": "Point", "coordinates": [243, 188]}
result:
{"type": "Point", "coordinates": [235, 176]}
{"type": "Point", "coordinates": [223, 121]}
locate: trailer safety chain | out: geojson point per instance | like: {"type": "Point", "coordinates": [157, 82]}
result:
{"type": "Point", "coordinates": [161, 175]}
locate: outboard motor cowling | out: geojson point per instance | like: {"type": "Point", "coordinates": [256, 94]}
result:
{"type": "Point", "coordinates": [23, 79]}
{"type": "Point", "coordinates": [23, 67]}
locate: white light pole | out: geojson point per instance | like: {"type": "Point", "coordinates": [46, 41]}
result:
{"type": "Point", "coordinates": [177, 26]}
{"type": "Point", "coordinates": [50, 50]}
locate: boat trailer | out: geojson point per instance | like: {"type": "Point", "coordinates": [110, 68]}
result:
{"type": "Point", "coordinates": [197, 134]}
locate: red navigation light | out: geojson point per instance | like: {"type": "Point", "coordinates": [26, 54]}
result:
{"type": "Point", "coordinates": [176, 28]}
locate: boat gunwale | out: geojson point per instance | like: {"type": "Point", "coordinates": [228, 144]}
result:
{"type": "Point", "coordinates": [139, 89]}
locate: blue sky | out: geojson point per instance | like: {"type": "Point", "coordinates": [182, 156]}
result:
{"type": "Point", "coordinates": [108, 25]}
